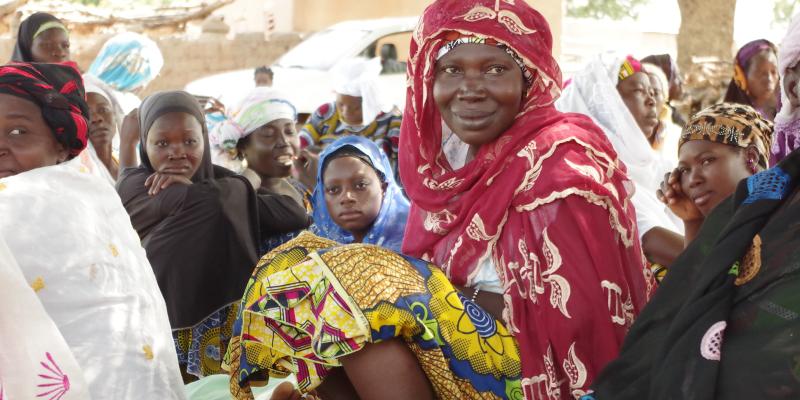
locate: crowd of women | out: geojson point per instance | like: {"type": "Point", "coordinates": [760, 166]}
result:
{"type": "Point", "coordinates": [509, 235]}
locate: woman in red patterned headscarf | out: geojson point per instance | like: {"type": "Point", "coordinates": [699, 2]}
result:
{"type": "Point", "coordinates": [513, 197]}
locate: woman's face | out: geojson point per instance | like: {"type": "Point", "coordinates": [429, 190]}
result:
{"type": "Point", "coordinates": [710, 171]}
{"type": "Point", "coordinates": [762, 76]}
{"type": "Point", "coordinates": [791, 85]}
{"type": "Point", "coordinates": [271, 149]}
{"type": "Point", "coordinates": [350, 109]}
{"type": "Point", "coordinates": [102, 126]}
{"type": "Point", "coordinates": [353, 194]}
{"type": "Point", "coordinates": [51, 46]}
{"type": "Point", "coordinates": [175, 144]}
{"type": "Point", "coordinates": [26, 141]}
{"type": "Point", "coordinates": [478, 89]}
{"type": "Point", "coordinates": [639, 96]}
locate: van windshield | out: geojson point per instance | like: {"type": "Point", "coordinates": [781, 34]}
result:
{"type": "Point", "coordinates": [323, 49]}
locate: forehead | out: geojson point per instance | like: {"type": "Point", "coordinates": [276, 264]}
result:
{"type": "Point", "coordinates": [477, 52]}
{"type": "Point", "coordinates": [13, 105]}
{"type": "Point", "coordinates": [343, 98]}
{"type": "Point", "coordinates": [52, 34]}
{"type": "Point", "coordinates": [96, 99]}
{"type": "Point", "coordinates": [694, 148]}
{"type": "Point", "coordinates": [639, 78]}
{"type": "Point", "coordinates": [176, 120]}
{"type": "Point", "coordinates": [346, 167]}
{"type": "Point", "coordinates": [763, 57]}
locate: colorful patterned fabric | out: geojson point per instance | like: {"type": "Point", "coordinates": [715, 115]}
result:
{"type": "Point", "coordinates": [58, 90]}
{"type": "Point", "coordinates": [732, 124]}
{"type": "Point", "coordinates": [629, 67]}
{"type": "Point", "coordinates": [389, 227]}
{"type": "Point", "coordinates": [724, 322]}
{"type": "Point", "coordinates": [201, 347]}
{"type": "Point", "coordinates": [324, 126]}
{"type": "Point", "coordinates": [309, 304]}
{"type": "Point", "coordinates": [524, 205]}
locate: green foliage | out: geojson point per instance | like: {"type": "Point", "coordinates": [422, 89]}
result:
{"type": "Point", "coordinates": [614, 9]}
{"type": "Point", "coordinates": [783, 10]}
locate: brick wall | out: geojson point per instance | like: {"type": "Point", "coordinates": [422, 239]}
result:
{"type": "Point", "coordinates": [187, 59]}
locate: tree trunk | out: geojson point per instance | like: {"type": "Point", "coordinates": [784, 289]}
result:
{"type": "Point", "coordinates": [706, 30]}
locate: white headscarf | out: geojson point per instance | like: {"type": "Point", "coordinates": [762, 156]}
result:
{"type": "Point", "coordinates": [593, 92]}
{"type": "Point", "coordinates": [261, 106]}
{"type": "Point", "coordinates": [357, 77]}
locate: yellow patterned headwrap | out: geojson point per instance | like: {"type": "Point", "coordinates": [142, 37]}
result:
{"type": "Point", "coordinates": [733, 124]}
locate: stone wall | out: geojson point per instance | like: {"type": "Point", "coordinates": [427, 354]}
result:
{"type": "Point", "coordinates": [187, 59]}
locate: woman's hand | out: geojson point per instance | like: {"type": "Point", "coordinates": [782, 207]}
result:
{"type": "Point", "coordinates": [672, 195]}
{"type": "Point", "coordinates": [286, 391]}
{"type": "Point", "coordinates": [307, 165]}
{"type": "Point", "coordinates": [128, 139]}
{"type": "Point", "coordinates": [159, 181]}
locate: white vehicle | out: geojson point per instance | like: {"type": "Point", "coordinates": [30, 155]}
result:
{"type": "Point", "coordinates": [303, 73]}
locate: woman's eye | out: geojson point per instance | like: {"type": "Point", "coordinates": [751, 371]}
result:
{"type": "Point", "coordinates": [450, 70]}
{"type": "Point", "coordinates": [17, 131]}
{"type": "Point", "coordinates": [708, 161]}
{"type": "Point", "coordinates": [191, 141]}
{"type": "Point", "coordinates": [496, 69]}
{"type": "Point", "coordinates": [332, 190]}
{"type": "Point", "coordinates": [161, 143]}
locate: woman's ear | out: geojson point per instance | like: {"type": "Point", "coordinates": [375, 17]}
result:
{"type": "Point", "coordinates": [384, 185]}
{"type": "Point", "coordinates": [751, 158]}
{"type": "Point", "coordinates": [62, 153]}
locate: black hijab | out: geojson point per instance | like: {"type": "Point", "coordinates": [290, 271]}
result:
{"type": "Point", "coordinates": [26, 34]}
{"type": "Point", "coordinates": [201, 239]}
{"type": "Point", "coordinates": [725, 323]}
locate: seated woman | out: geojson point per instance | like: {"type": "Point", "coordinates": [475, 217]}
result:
{"type": "Point", "coordinates": [755, 78]}
{"type": "Point", "coordinates": [617, 94]}
{"type": "Point", "coordinates": [711, 165]}
{"type": "Point", "coordinates": [200, 224]}
{"type": "Point", "coordinates": [41, 38]}
{"type": "Point", "coordinates": [674, 89]}
{"type": "Point", "coordinates": [106, 115]}
{"type": "Point", "coordinates": [356, 111]}
{"type": "Point", "coordinates": [357, 199]}
{"type": "Point", "coordinates": [723, 324]}
{"type": "Point", "coordinates": [75, 246]}
{"type": "Point", "coordinates": [787, 122]}
{"type": "Point", "coordinates": [507, 315]}
{"type": "Point", "coordinates": [263, 136]}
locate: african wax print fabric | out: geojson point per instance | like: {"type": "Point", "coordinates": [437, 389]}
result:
{"type": "Point", "coordinates": [389, 226]}
{"type": "Point", "coordinates": [724, 322]}
{"type": "Point", "coordinates": [325, 125]}
{"type": "Point", "coordinates": [732, 124]}
{"type": "Point", "coordinates": [523, 204]}
{"type": "Point", "coordinates": [127, 61]}
{"type": "Point", "coordinates": [93, 278]}
{"type": "Point", "coordinates": [311, 302]}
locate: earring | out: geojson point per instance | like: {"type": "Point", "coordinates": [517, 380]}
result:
{"type": "Point", "coordinates": [752, 165]}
